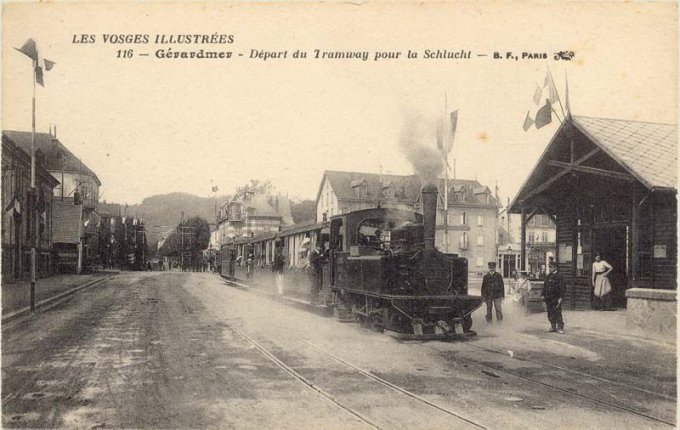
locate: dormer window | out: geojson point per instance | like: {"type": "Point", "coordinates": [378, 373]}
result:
{"type": "Point", "coordinates": [360, 188]}
{"type": "Point", "coordinates": [458, 193]}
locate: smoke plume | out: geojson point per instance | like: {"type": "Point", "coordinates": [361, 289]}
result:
{"type": "Point", "coordinates": [418, 143]}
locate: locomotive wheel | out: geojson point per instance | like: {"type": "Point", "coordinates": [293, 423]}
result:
{"type": "Point", "coordinates": [467, 323]}
{"type": "Point", "coordinates": [400, 323]}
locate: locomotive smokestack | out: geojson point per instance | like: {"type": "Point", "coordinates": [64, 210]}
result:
{"type": "Point", "coordinates": [429, 214]}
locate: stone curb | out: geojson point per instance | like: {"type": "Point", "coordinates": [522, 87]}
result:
{"type": "Point", "coordinates": [44, 303]}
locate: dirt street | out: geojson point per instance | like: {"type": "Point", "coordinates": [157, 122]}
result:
{"type": "Point", "coordinates": [185, 350]}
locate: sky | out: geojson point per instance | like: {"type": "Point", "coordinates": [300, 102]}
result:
{"type": "Point", "coordinates": [150, 126]}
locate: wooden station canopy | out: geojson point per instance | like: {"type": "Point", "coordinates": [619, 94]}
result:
{"type": "Point", "coordinates": [610, 187]}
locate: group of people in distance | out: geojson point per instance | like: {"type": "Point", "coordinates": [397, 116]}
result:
{"type": "Point", "coordinates": [552, 293]}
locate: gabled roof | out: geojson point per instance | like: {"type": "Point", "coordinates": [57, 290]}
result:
{"type": "Point", "coordinates": [57, 156]}
{"type": "Point", "coordinates": [471, 188]}
{"type": "Point", "coordinates": [25, 154]}
{"type": "Point", "coordinates": [648, 151]}
{"type": "Point", "coordinates": [342, 183]}
{"type": "Point", "coordinates": [66, 222]}
{"type": "Point", "coordinates": [110, 209]}
{"type": "Point", "coordinates": [265, 205]}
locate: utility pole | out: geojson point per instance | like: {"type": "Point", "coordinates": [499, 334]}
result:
{"type": "Point", "coordinates": [33, 218]}
{"type": "Point", "coordinates": [446, 189]}
{"type": "Point", "coordinates": [181, 227]}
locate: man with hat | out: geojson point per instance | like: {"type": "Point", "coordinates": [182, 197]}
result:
{"type": "Point", "coordinates": [553, 293]}
{"type": "Point", "coordinates": [493, 292]}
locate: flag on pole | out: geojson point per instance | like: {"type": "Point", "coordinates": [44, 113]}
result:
{"type": "Point", "coordinates": [544, 115]}
{"type": "Point", "coordinates": [454, 124]}
{"type": "Point", "coordinates": [30, 50]}
{"type": "Point", "coordinates": [528, 122]}
{"type": "Point", "coordinates": [552, 90]}
{"type": "Point", "coordinates": [538, 92]}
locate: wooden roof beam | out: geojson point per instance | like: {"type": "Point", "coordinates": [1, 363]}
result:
{"type": "Point", "coordinates": [592, 170]}
{"type": "Point", "coordinates": [568, 168]}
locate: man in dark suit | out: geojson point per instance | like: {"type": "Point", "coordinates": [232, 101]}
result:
{"type": "Point", "coordinates": [316, 271]}
{"type": "Point", "coordinates": [493, 292]}
{"type": "Point", "coordinates": [553, 293]}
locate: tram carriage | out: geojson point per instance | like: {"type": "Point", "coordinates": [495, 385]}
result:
{"type": "Point", "coordinates": [380, 267]}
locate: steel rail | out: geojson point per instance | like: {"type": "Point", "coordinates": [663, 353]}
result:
{"type": "Point", "coordinates": [554, 387]}
{"type": "Point", "coordinates": [292, 372]}
{"type": "Point", "coordinates": [395, 387]}
{"type": "Point", "coordinates": [533, 360]}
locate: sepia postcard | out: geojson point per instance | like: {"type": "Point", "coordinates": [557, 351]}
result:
{"type": "Point", "coordinates": [335, 215]}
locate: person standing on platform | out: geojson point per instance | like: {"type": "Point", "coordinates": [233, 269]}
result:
{"type": "Point", "coordinates": [493, 292]}
{"type": "Point", "coordinates": [553, 293]}
{"type": "Point", "coordinates": [315, 271]}
{"type": "Point", "coordinates": [602, 286]}
{"type": "Point", "coordinates": [277, 268]}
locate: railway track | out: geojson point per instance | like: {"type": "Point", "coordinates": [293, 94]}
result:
{"type": "Point", "coordinates": [605, 403]}
{"type": "Point", "coordinates": [575, 372]}
{"type": "Point", "coordinates": [333, 399]}
{"type": "Point", "coordinates": [617, 406]}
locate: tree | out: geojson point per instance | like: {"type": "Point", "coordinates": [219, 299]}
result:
{"type": "Point", "coordinates": [302, 211]}
{"type": "Point", "coordinates": [255, 187]}
{"type": "Point", "coordinates": [192, 238]}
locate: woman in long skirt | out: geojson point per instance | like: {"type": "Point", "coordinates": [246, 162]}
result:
{"type": "Point", "coordinates": [601, 284]}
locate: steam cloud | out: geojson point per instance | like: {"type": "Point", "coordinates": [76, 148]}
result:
{"type": "Point", "coordinates": [418, 143]}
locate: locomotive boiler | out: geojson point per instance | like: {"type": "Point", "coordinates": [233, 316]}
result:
{"type": "Point", "coordinates": [386, 272]}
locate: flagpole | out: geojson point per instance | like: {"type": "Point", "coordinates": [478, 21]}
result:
{"type": "Point", "coordinates": [556, 116]}
{"type": "Point", "coordinates": [446, 187]}
{"type": "Point", "coordinates": [33, 194]}
{"type": "Point", "coordinates": [558, 94]}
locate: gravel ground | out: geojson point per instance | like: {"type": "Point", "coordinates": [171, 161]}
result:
{"type": "Point", "coordinates": [164, 350]}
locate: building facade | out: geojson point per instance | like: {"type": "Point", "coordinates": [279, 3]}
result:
{"type": "Point", "coordinates": [472, 209]}
{"type": "Point", "coordinates": [17, 231]}
{"type": "Point", "coordinates": [540, 244]}
{"type": "Point", "coordinates": [252, 214]}
{"type": "Point", "coordinates": [78, 186]}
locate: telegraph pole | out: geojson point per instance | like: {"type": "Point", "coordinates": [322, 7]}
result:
{"type": "Point", "coordinates": [33, 199]}
{"type": "Point", "coordinates": [181, 228]}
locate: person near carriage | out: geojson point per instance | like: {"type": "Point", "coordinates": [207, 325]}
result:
{"type": "Point", "coordinates": [493, 292]}
{"type": "Point", "coordinates": [553, 292]}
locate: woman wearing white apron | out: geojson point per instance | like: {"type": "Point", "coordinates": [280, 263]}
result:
{"type": "Point", "coordinates": [603, 289]}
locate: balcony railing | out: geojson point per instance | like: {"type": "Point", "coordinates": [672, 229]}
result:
{"type": "Point", "coordinates": [235, 217]}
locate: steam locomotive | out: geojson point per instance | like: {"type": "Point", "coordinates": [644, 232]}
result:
{"type": "Point", "coordinates": [380, 268]}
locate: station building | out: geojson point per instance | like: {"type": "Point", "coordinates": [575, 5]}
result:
{"type": "Point", "coordinates": [610, 188]}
